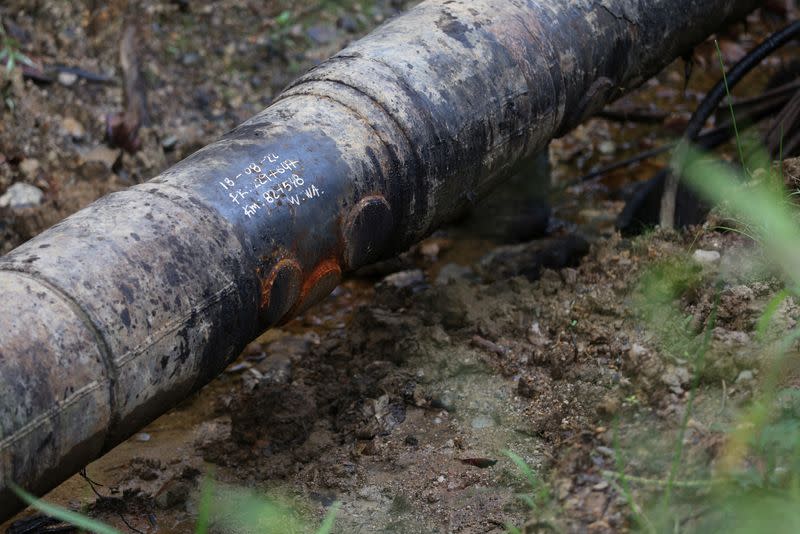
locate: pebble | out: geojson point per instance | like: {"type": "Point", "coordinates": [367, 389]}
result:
{"type": "Point", "coordinates": [676, 378]}
{"type": "Point", "coordinates": [67, 79]}
{"type": "Point", "coordinates": [404, 279]}
{"type": "Point", "coordinates": [29, 167]}
{"type": "Point", "coordinates": [190, 58]}
{"type": "Point", "coordinates": [73, 128]}
{"type": "Point", "coordinates": [104, 155]}
{"type": "Point", "coordinates": [482, 422]}
{"type": "Point", "coordinates": [370, 493]}
{"type": "Point", "coordinates": [169, 143]}
{"type": "Point", "coordinates": [173, 493]}
{"type": "Point", "coordinates": [608, 406]}
{"type": "Point", "coordinates": [20, 196]}
{"type": "Point", "coordinates": [321, 34]}
{"type": "Point", "coordinates": [348, 23]}
{"type": "Point", "coordinates": [142, 436]}
{"type": "Point", "coordinates": [706, 257]}
{"type": "Point", "coordinates": [607, 148]}
{"type": "Point", "coordinates": [745, 376]}
{"type": "Point", "coordinates": [605, 451]}
{"type": "Point", "coordinates": [451, 272]}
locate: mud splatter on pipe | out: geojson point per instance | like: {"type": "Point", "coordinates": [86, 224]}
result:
{"type": "Point", "coordinates": [120, 311]}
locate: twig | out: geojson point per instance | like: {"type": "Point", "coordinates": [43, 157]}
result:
{"type": "Point", "coordinates": [100, 496]}
{"type": "Point", "coordinates": [123, 127]}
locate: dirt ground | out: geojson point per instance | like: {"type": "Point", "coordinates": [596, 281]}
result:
{"type": "Point", "coordinates": [400, 395]}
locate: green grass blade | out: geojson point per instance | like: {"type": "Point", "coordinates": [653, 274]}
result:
{"type": "Point", "coordinates": [247, 511]}
{"type": "Point", "coordinates": [769, 311]}
{"type": "Point", "coordinates": [204, 509]}
{"type": "Point", "coordinates": [730, 104]}
{"type": "Point", "coordinates": [73, 518]}
{"type": "Point", "coordinates": [330, 518]}
{"type": "Point", "coordinates": [524, 468]}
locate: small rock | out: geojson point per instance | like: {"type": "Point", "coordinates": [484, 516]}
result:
{"type": "Point", "coordinates": [370, 493]}
{"type": "Point", "coordinates": [142, 436]}
{"type": "Point", "coordinates": [411, 440]}
{"type": "Point", "coordinates": [452, 272]}
{"type": "Point", "coordinates": [20, 196]}
{"type": "Point", "coordinates": [706, 257]}
{"type": "Point", "coordinates": [67, 79]}
{"type": "Point", "coordinates": [190, 59]}
{"type": "Point", "coordinates": [99, 162]}
{"type": "Point", "coordinates": [607, 148]}
{"type": "Point", "coordinates": [482, 422]}
{"type": "Point", "coordinates": [563, 488]}
{"type": "Point", "coordinates": [431, 496]}
{"type": "Point", "coordinates": [605, 451]}
{"type": "Point", "coordinates": [72, 128]}
{"type": "Point", "coordinates": [276, 369]}
{"type": "Point", "coordinates": [347, 23]}
{"type": "Point", "coordinates": [404, 279]}
{"type": "Point", "coordinates": [169, 143]}
{"type": "Point", "coordinates": [239, 367]}
{"type": "Point", "coordinates": [676, 378]}
{"type": "Point", "coordinates": [431, 248]}
{"type": "Point", "coordinates": [321, 34]}
{"type": "Point", "coordinates": [745, 376]}
{"type": "Point", "coordinates": [594, 504]}
{"type": "Point", "coordinates": [173, 493]}
{"type": "Point", "coordinates": [608, 406]}
{"type": "Point", "coordinates": [29, 167]}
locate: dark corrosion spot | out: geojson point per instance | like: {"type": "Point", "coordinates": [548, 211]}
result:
{"type": "Point", "coordinates": [164, 362]}
{"type": "Point", "coordinates": [44, 245]}
{"type": "Point", "coordinates": [135, 236]}
{"type": "Point", "coordinates": [126, 318]}
{"type": "Point", "coordinates": [172, 275]}
{"type": "Point", "coordinates": [454, 28]}
{"type": "Point", "coordinates": [126, 292]}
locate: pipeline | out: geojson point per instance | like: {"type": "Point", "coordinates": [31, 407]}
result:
{"type": "Point", "coordinates": [118, 312]}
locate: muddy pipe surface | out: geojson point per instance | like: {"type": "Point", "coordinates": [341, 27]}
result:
{"type": "Point", "coordinates": [115, 314]}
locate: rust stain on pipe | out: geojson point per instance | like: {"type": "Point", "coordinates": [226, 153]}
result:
{"type": "Point", "coordinates": [322, 280]}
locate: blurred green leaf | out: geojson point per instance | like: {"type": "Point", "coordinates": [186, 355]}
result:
{"type": "Point", "coordinates": [73, 518]}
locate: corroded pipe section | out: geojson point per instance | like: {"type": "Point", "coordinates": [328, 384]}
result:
{"type": "Point", "coordinates": [118, 312]}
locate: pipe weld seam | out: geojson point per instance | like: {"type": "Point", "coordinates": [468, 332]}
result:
{"type": "Point", "coordinates": [100, 341]}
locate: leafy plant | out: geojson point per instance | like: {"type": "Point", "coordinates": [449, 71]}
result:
{"type": "Point", "coordinates": [10, 51]}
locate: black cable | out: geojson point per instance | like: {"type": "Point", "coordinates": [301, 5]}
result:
{"type": "Point", "coordinates": [714, 97]}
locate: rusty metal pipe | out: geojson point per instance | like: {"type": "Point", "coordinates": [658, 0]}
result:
{"type": "Point", "coordinates": [120, 311]}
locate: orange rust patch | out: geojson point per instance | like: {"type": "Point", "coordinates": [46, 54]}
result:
{"type": "Point", "coordinates": [267, 283]}
{"type": "Point", "coordinates": [322, 280]}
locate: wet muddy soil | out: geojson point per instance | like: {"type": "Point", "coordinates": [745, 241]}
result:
{"type": "Point", "coordinates": [521, 328]}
